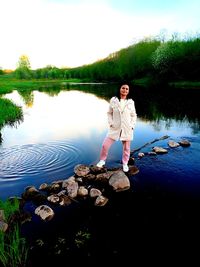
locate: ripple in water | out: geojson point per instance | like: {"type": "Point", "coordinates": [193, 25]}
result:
{"type": "Point", "coordinates": [34, 162]}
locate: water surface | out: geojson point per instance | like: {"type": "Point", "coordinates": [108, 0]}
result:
{"type": "Point", "coordinates": [65, 126]}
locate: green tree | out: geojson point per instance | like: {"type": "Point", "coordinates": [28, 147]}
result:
{"type": "Point", "coordinates": [23, 70]}
{"type": "Point", "coordinates": [1, 71]}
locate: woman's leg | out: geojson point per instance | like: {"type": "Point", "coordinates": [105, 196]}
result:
{"type": "Point", "coordinates": [126, 151]}
{"type": "Point", "coordinates": [105, 147]}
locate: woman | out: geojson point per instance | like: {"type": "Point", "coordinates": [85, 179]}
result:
{"type": "Point", "coordinates": [121, 119]}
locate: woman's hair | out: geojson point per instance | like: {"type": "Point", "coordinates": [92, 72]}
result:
{"type": "Point", "coordinates": [118, 91]}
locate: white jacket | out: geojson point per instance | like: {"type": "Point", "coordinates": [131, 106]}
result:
{"type": "Point", "coordinates": [121, 122]}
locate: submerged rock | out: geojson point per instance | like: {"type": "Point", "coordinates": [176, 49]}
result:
{"type": "Point", "coordinates": [159, 150]}
{"type": "Point", "coordinates": [184, 143]}
{"type": "Point", "coordinates": [173, 144]}
{"type": "Point", "coordinates": [133, 170]}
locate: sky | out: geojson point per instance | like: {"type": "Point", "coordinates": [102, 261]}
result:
{"type": "Point", "coordinates": [70, 33]}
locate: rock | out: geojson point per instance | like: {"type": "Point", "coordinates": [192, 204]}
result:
{"type": "Point", "coordinates": [58, 182]}
{"type": "Point", "coordinates": [45, 212]}
{"type": "Point", "coordinates": [184, 143]}
{"type": "Point", "coordinates": [101, 201]}
{"type": "Point", "coordinates": [43, 186]}
{"type": "Point", "coordinates": [31, 189]}
{"type": "Point", "coordinates": [140, 155]}
{"type": "Point", "coordinates": [94, 192]}
{"type": "Point", "coordinates": [79, 180]}
{"type": "Point", "coordinates": [81, 170]}
{"type": "Point", "coordinates": [133, 170]}
{"type": "Point", "coordinates": [54, 187]}
{"type": "Point", "coordinates": [53, 198]}
{"type": "Point", "coordinates": [159, 150]}
{"type": "Point", "coordinates": [82, 191]}
{"type": "Point", "coordinates": [72, 189]}
{"type": "Point", "coordinates": [71, 186]}
{"type": "Point", "coordinates": [62, 193]}
{"type": "Point", "coordinates": [68, 181]}
{"type": "Point", "coordinates": [2, 215]}
{"type": "Point", "coordinates": [90, 176]}
{"type": "Point", "coordinates": [3, 226]}
{"type": "Point", "coordinates": [151, 153]}
{"type": "Point", "coordinates": [119, 181]}
{"type": "Point", "coordinates": [32, 194]}
{"type": "Point", "coordinates": [95, 170]}
{"type": "Point", "coordinates": [173, 144]}
{"type": "Point", "coordinates": [65, 200]}
{"type": "Point", "coordinates": [104, 176]}
{"type": "Point", "coordinates": [131, 161]}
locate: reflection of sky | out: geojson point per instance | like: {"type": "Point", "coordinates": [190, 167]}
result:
{"type": "Point", "coordinates": [76, 115]}
{"type": "Point", "coordinates": [70, 114]}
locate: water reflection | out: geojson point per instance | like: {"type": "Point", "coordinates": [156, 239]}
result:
{"type": "Point", "coordinates": [71, 114]}
{"type": "Point", "coordinates": [64, 126]}
{"type": "Point", "coordinates": [27, 96]}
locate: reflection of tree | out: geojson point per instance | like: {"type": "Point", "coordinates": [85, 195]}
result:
{"type": "Point", "coordinates": [156, 125]}
{"type": "Point", "coordinates": [1, 137]}
{"type": "Point", "coordinates": [27, 96]}
{"type": "Point", "coordinates": [168, 105]}
{"type": "Point", "coordinates": [51, 90]}
{"type": "Point", "coordinates": [161, 107]}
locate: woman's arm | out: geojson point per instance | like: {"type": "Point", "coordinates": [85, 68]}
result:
{"type": "Point", "coordinates": [110, 113]}
{"type": "Point", "coordinates": [133, 115]}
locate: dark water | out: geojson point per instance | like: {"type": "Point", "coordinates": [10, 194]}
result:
{"type": "Point", "coordinates": [156, 221]}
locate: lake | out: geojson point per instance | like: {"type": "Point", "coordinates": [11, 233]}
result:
{"type": "Point", "coordinates": [65, 126]}
{"type": "Point", "coordinates": [157, 220]}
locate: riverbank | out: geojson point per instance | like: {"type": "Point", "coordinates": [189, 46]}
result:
{"type": "Point", "coordinates": [9, 83]}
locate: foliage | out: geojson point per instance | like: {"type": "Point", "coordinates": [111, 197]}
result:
{"type": "Point", "coordinates": [82, 238]}
{"type": "Point", "coordinates": [178, 60]}
{"type": "Point", "coordinates": [156, 59]}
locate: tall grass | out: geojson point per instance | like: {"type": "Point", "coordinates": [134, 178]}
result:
{"type": "Point", "coordinates": [9, 207]}
{"type": "Point", "coordinates": [13, 249]}
{"type": "Point", "coordinates": [9, 112]}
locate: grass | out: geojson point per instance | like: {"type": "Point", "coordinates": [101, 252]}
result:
{"type": "Point", "coordinates": [9, 207]}
{"type": "Point", "coordinates": [9, 112]}
{"type": "Point", "coordinates": [13, 249]}
{"type": "Point", "coordinates": [9, 83]}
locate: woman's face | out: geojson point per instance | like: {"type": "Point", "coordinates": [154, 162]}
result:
{"type": "Point", "coordinates": [124, 90]}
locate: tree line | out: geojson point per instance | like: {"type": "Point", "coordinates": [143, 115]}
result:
{"type": "Point", "coordinates": [153, 59]}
